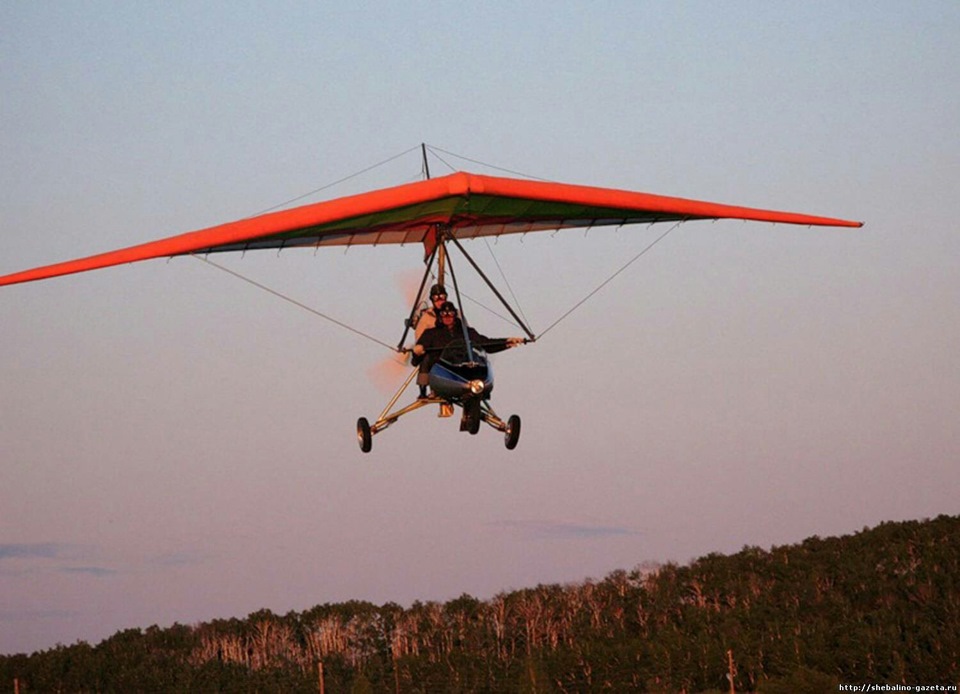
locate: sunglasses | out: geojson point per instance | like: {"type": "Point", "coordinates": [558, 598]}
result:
{"type": "Point", "coordinates": [448, 313]}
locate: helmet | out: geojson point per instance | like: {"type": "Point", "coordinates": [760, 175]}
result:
{"type": "Point", "coordinates": [448, 307]}
{"type": "Point", "coordinates": [437, 290]}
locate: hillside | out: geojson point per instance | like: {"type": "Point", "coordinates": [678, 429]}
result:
{"type": "Point", "coordinates": [879, 606]}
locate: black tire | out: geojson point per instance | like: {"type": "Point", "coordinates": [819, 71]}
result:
{"type": "Point", "coordinates": [512, 436]}
{"type": "Point", "coordinates": [364, 435]}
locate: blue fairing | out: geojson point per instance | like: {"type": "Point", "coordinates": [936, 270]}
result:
{"type": "Point", "coordinates": [451, 375]}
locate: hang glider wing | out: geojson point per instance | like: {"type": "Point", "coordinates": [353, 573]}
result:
{"type": "Point", "coordinates": [470, 205]}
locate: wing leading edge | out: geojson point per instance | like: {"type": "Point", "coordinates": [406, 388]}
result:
{"type": "Point", "coordinates": [471, 205]}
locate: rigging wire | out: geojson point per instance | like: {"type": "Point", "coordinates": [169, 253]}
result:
{"type": "Point", "coordinates": [465, 326]}
{"type": "Point", "coordinates": [331, 185]}
{"type": "Point", "coordinates": [491, 311]}
{"type": "Point", "coordinates": [610, 279]}
{"type": "Point", "coordinates": [503, 275]}
{"type": "Point", "coordinates": [448, 164]}
{"type": "Point", "coordinates": [290, 299]}
{"type": "Point", "coordinates": [434, 151]}
{"type": "Point", "coordinates": [480, 304]}
{"type": "Point", "coordinates": [294, 302]}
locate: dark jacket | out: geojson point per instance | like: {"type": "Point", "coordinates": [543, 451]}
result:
{"type": "Point", "coordinates": [434, 340]}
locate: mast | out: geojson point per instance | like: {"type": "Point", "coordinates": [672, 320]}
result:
{"type": "Point", "coordinates": [441, 238]}
{"type": "Point", "coordinates": [426, 164]}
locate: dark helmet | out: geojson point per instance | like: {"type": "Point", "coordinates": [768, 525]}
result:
{"type": "Point", "coordinates": [437, 290]}
{"type": "Point", "coordinates": [448, 307]}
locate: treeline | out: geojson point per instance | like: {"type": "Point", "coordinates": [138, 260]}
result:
{"type": "Point", "coordinates": [880, 606]}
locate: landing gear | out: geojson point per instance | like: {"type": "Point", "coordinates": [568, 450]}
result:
{"type": "Point", "coordinates": [512, 435]}
{"type": "Point", "coordinates": [474, 414]}
{"type": "Point", "coordinates": [364, 435]}
{"type": "Point", "coordinates": [476, 411]}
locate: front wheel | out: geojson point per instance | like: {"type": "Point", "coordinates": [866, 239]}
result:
{"type": "Point", "coordinates": [364, 435]}
{"type": "Point", "coordinates": [512, 435]}
{"type": "Point", "coordinates": [473, 415]}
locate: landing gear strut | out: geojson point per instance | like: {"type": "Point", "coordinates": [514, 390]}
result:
{"type": "Point", "coordinates": [473, 415]}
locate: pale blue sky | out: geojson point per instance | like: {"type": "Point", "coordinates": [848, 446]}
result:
{"type": "Point", "coordinates": [178, 446]}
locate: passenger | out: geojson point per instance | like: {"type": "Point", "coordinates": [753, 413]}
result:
{"type": "Point", "coordinates": [425, 320]}
{"type": "Point", "coordinates": [433, 341]}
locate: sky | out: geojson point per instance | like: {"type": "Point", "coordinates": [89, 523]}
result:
{"type": "Point", "coordinates": [178, 446]}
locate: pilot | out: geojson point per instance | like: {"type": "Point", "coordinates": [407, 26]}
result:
{"type": "Point", "coordinates": [432, 342]}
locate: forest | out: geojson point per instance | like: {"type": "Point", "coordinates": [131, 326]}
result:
{"type": "Point", "coordinates": [878, 606]}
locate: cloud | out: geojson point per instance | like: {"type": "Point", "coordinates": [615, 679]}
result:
{"type": "Point", "coordinates": [176, 559]}
{"type": "Point", "coordinates": [97, 571]}
{"type": "Point", "coordinates": [83, 560]}
{"type": "Point", "coordinates": [559, 530]}
{"type": "Point", "coordinates": [42, 550]}
{"type": "Point", "coordinates": [59, 553]}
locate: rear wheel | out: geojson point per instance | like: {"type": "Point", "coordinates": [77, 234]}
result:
{"type": "Point", "coordinates": [512, 435]}
{"type": "Point", "coordinates": [364, 435]}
